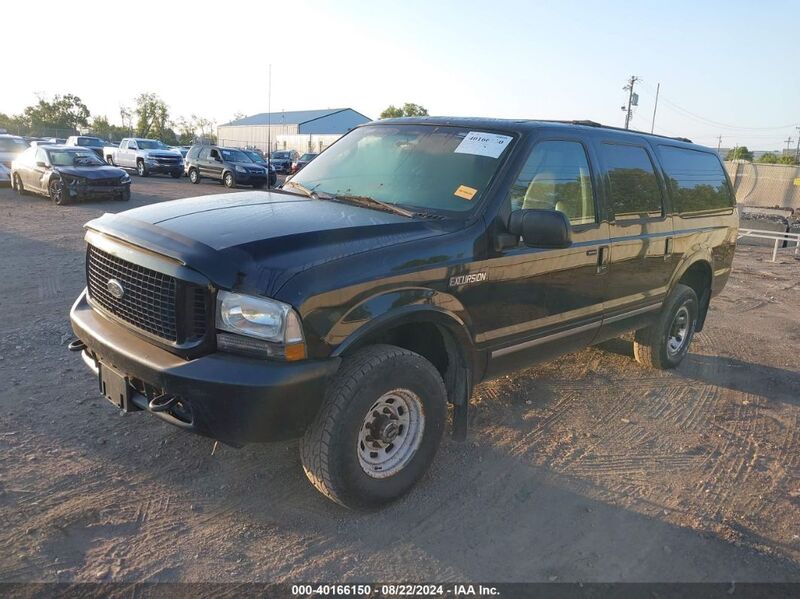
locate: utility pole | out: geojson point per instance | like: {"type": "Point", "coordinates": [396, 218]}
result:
{"type": "Point", "coordinates": [719, 143]}
{"type": "Point", "coordinates": [788, 141]}
{"type": "Point", "coordinates": [269, 122]}
{"type": "Point", "coordinates": [797, 151]}
{"type": "Point", "coordinates": [655, 107]}
{"type": "Point", "coordinates": [633, 99]}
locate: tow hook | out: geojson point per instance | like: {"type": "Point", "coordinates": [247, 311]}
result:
{"type": "Point", "coordinates": [162, 403]}
{"type": "Point", "coordinates": [76, 345]}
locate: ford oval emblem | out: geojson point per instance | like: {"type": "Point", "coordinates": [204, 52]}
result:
{"type": "Point", "coordinates": [115, 288]}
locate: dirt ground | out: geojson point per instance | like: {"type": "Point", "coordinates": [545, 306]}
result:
{"type": "Point", "coordinates": [588, 468]}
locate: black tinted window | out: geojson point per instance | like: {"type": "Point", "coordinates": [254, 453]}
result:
{"type": "Point", "coordinates": [696, 180]}
{"type": "Point", "coordinates": [632, 180]}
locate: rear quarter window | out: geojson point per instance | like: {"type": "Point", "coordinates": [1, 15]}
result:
{"type": "Point", "coordinates": [696, 180]}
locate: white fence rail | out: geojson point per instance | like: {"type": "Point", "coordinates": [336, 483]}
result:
{"type": "Point", "coordinates": [779, 237]}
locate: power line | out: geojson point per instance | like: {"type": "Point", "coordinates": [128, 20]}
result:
{"type": "Point", "coordinates": [711, 121]}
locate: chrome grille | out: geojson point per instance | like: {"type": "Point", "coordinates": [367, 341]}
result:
{"type": "Point", "coordinates": [171, 309]}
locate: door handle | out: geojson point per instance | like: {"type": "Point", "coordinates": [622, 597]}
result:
{"type": "Point", "coordinates": [602, 259]}
{"type": "Point", "coordinates": [668, 248]}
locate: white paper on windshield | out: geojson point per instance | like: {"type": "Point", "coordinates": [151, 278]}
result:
{"type": "Point", "coordinates": [483, 144]}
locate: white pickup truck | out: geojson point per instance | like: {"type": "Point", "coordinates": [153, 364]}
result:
{"type": "Point", "coordinates": [147, 156]}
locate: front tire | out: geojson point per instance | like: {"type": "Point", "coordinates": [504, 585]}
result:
{"type": "Point", "coordinates": [194, 176]}
{"type": "Point", "coordinates": [125, 196]}
{"type": "Point", "coordinates": [57, 192]}
{"type": "Point", "coordinates": [229, 180]}
{"type": "Point", "coordinates": [176, 174]}
{"type": "Point", "coordinates": [141, 169]}
{"type": "Point", "coordinates": [378, 429]}
{"type": "Point", "coordinates": [665, 343]}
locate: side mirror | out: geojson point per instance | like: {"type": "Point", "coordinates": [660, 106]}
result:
{"type": "Point", "coordinates": [541, 228]}
{"type": "Point", "coordinates": [41, 164]}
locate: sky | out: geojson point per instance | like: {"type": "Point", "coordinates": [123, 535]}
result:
{"type": "Point", "coordinates": [725, 68]}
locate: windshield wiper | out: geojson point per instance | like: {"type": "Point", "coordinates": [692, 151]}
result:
{"type": "Point", "coordinates": [303, 189]}
{"type": "Point", "coordinates": [372, 202]}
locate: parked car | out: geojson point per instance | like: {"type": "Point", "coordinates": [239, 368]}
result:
{"type": "Point", "coordinates": [259, 159]}
{"type": "Point", "coordinates": [303, 161]}
{"type": "Point", "coordinates": [147, 156]}
{"type": "Point", "coordinates": [95, 144]}
{"type": "Point", "coordinates": [408, 262]}
{"type": "Point", "coordinates": [11, 146]}
{"type": "Point", "coordinates": [68, 173]}
{"type": "Point", "coordinates": [283, 160]}
{"type": "Point", "coordinates": [232, 166]}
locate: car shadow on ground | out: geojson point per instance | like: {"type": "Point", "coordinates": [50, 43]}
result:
{"type": "Point", "coordinates": [730, 373]}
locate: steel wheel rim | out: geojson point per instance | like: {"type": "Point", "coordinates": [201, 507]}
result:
{"type": "Point", "coordinates": [390, 433]}
{"type": "Point", "coordinates": [193, 176]}
{"type": "Point", "coordinates": [679, 331]}
{"type": "Point", "coordinates": [140, 168]}
{"type": "Point", "coordinates": [228, 180]}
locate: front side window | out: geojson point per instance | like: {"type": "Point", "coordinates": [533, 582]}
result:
{"type": "Point", "coordinates": [695, 179]}
{"type": "Point", "coordinates": [556, 176]}
{"type": "Point", "coordinates": [633, 186]}
{"type": "Point", "coordinates": [439, 168]}
{"type": "Point", "coordinates": [40, 156]}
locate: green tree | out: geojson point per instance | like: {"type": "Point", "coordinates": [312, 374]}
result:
{"type": "Point", "coordinates": [14, 124]}
{"type": "Point", "coordinates": [195, 128]}
{"type": "Point", "coordinates": [101, 127]}
{"type": "Point", "coordinates": [152, 116]}
{"type": "Point", "coordinates": [65, 112]}
{"type": "Point", "coordinates": [740, 153]}
{"type": "Point", "coordinates": [768, 158]}
{"type": "Point", "coordinates": [408, 109]}
{"type": "Point", "coordinates": [787, 159]}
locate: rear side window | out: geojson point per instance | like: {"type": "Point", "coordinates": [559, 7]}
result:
{"type": "Point", "coordinates": [193, 152]}
{"type": "Point", "coordinates": [204, 153]}
{"type": "Point", "coordinates": [556, 177]}
{"type": "Point", "coordinates": [633, 186]}
{"type": "Point", "coordinates": [695, 179]}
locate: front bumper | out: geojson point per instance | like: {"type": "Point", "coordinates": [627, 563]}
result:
{"type": "Point", "coordinates": [88, 191]}
{"type": "Point", "coordinates": [251, 179]}
{"type": "Point", "coordinates": [234, 399]}
{"type": "Point", "coordinates": [157, 168]}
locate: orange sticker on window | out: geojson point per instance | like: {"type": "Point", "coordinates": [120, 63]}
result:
{"type": "Point", "coordinates": [465, 192]}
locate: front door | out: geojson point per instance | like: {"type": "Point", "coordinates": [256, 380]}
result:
{"type": "Point", "coordinates": [549, 301]}
{"type": "Point", "coordinates": [641, 228]}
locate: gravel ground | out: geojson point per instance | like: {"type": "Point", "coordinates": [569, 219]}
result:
{"type": "Point", "coordinates": [588, 468]}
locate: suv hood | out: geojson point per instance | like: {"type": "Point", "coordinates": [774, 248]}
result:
{"type": "Point", "coordinates": [256, 241]}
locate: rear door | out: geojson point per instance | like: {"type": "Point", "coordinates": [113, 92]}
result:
{"type": "Point", "coordinates": [549, 301]}
{"type": "Point", "coordinates": [641, 229]}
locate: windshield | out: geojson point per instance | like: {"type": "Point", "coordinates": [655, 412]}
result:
{"type": "Point", "coordinates": [424, 166]}
{"type": "Point", "coordinates": [74, 158]}
{"type": "Point", "coordinates": [150, 144]}
{"type": "Point", "coordinates": [234, 156]}
{"type": "Point", "coordinates": [12, 144]}
{"type": "Point", "coordinates": [281, 155]}
{"type": "Point", "coordinates": [307, 157]}
{"type": "Point", "coordinates": [255, 156]}
{"type": "Point", "coordinates": [91, 142]}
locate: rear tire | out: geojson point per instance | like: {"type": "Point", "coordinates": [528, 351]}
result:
{"type": "Point", "coordinates": [110, 160]}
{"type": "Point", "coordinates": [228, 180]}
{"type": "Point", "coordinates": [665, 343]}
{"type": "Point", "coordinates": [378, 428]}
{"type": "Point", "coordinates": [194, 176]}
{"type": "Point", "coordinates": [16, 183]}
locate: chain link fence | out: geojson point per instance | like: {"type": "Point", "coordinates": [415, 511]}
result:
{"type": "Point", "coordinates": [765, 185]}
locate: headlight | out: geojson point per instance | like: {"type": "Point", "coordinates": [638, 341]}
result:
{"type": "Point", "coordinates": [240, 169]}
{"type": "Point", "coordinates": [125, 178]}
{"type": "Point", "coordinates": [260, 318]}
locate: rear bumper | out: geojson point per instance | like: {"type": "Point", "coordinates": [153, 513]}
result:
{"type": "Point", "coordinates": [234, 399]}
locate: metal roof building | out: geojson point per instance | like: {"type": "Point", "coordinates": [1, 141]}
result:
{"type": "Point", "coordinates": [304, 130]}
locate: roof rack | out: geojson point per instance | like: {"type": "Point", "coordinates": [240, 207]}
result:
{"type": "Point", "coordinates": [588, 123]}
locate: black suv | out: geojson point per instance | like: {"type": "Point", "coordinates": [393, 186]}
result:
{"type": "Point", "coordinates": [408, 262]}
{"type": "Point", "coordinates": [232, 166]}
